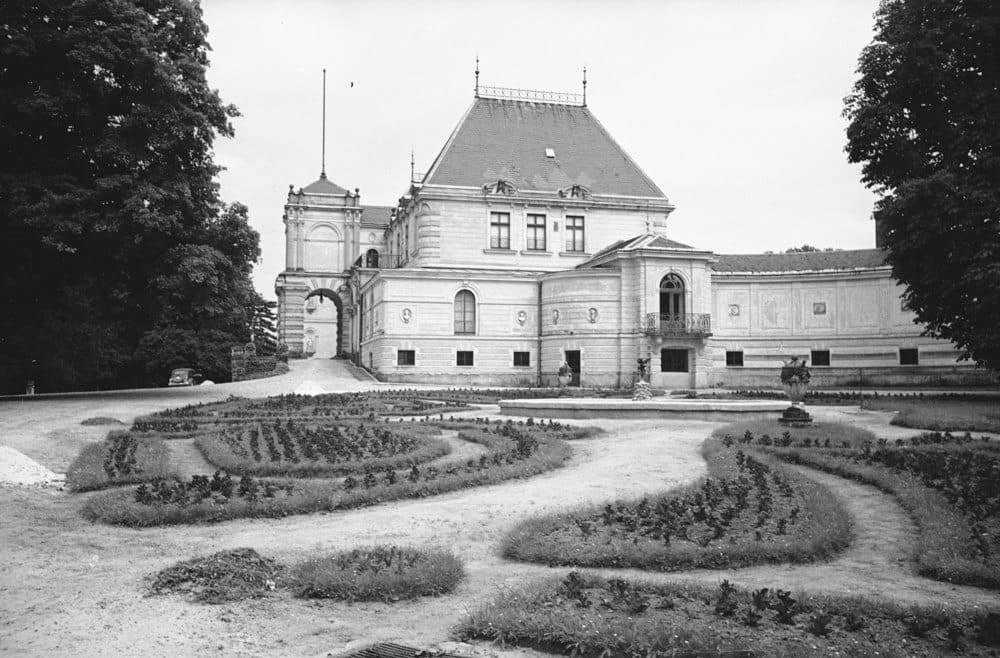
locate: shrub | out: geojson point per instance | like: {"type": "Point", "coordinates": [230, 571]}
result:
{"type": "Point", "coordinates": [379, 573]}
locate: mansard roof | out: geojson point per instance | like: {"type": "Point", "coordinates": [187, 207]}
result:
{"type": "Point", "coordinates": [500, 139]}
{"type": "Point", "coordinates": [323, 185]}
{"type": "Point", "coordinates": [808, 261]}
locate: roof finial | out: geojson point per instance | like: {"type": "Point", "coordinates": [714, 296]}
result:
{"type": "Point", "coordinates": [477, 75]}
{"type": "Point", "coordinates": [412, 163]}
{"type": "Point", "coordinates": [322, 170]}
{"type": "Point", "coordinates": [585, 86]}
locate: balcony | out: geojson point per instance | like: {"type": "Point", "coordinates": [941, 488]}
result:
{"type": "Point", "coordinates": [683, 324]}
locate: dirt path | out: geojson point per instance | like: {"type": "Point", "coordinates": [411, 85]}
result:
{"type": "Point", "coordinates": [187, 459]}
{"type": "Point", "coordinates": [71, 588]}
{"type": "Point", "coordinates": [876, 564]}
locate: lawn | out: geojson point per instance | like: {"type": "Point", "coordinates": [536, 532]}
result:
{"type": "Point", "coordinates": [952, 414]}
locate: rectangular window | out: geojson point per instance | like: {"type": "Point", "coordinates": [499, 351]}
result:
{"type": "Point", "coordinates": [463, 358]}
{"type": "Point", "coordinates": [499, 230]}
{"type": "Point", "coordinates": [734, 359]}
{"type": "Point", "coordinates": [522, 359]}
{"type": "Point", "coordinates": [536, 233]}
{"type": "Point", "coordinates": [406, 357]}
{"type": "Point", "coordinates": [673, 360]}
{"type": "Point", "coordinates": [908, 356]}
{"type": "Point", "coordinates": [574, 234]}
{"type": "Point", "coordinates": [820, 358]}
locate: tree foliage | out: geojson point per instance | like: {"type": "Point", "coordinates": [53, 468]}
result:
{"type": "Point", "coordinates": [925, 123]}
{"type": "Point", "coordinates": [113, 229]}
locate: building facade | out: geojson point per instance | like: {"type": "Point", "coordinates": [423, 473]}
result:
{"type": "Point", "coordinates": [534, 240]}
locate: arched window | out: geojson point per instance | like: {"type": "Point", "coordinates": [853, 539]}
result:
{"type": "Point", "coordinates": [371, 258]}
{"type": "Point", "coordinates": [671, 297]}
{"type": "Point", "coordinates": [465, 312]}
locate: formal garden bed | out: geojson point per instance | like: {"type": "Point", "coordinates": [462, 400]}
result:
{"type": "Point", "coordinates": [380, 460]}
{"type": "Point", "coordinates": [593, 616]}
{"type": "Point", "coordinates": [947, 483]}
{"type": "Point", "coordinates": [307, 449]}
{"type": "Point", "coordinates": [749, 510]}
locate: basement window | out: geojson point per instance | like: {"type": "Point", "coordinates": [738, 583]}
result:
{"type": "Point", "coordinates": [820, 357]}
{"type": "Point", "coordinates": [734, 359]}
{"type": "Point", "coordinates": [908, 356]}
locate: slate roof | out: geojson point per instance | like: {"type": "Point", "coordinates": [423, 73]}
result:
{"type": "Point", "coordinates": [506, 139]}
{"type": "Point", "coordinates": [809, 261]}
{"type": "Point", "coordinates": [323, 186]}
{"type": "Point", "coordinates": [376, 214]}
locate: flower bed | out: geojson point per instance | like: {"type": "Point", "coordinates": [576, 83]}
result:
{"type": "Point", "coordinates": [306, 449]}
{"type": "Point", "coordinates": [513, 451]}
{"type": "Point", "coordinates": [593, 616]}
{"type": "Point", "coordinates": [749, 511]}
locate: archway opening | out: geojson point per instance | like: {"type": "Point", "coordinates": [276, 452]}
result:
{"type": "Point", "coordinates": [322, 328]}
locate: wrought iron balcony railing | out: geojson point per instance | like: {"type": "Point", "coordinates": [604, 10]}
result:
{"type": "Point", "coordinates": [682, 324]}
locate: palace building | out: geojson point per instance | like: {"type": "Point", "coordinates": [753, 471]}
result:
{"type": "Point", "coordinates": [534, 239]}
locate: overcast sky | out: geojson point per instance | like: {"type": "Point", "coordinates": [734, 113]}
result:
{"type": "Point", "coordinates": [733, 107]}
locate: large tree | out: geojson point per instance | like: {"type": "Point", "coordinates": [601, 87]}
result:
{"type": "Point", "coordinates": [113, 230]}
{"type": "Point", "coordinates": [925, 123]}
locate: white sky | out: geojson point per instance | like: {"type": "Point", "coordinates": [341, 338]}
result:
{"type": "Point", "coordinates": [733, 107]}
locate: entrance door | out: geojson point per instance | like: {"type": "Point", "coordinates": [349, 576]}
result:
{"type": "Point", "coordinates": [573, 360]}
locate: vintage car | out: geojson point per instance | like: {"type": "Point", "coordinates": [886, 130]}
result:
{"type": "Point", "coordinates": [184, 377]}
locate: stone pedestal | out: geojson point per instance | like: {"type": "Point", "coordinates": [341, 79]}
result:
{"type": "Point", "coordinates": [795, 416]}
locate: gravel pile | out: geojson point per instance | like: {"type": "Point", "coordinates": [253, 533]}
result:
{"type": "Point", "coordinates": [15, 468]}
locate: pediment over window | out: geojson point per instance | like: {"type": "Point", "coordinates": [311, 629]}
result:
{"type": "Point", "coordinates": [500, 187]}
{"type": "Point", "coordinates": [575, 192]}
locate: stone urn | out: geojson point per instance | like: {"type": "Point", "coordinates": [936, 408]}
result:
{"type": "Point", "coordinates": [796, 391]}
{"type": "Point", "coordinates": [565, 375]}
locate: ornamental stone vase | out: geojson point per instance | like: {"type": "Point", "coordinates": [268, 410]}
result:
{"type": "Point", "coordinates": [564, 380]}
{"type": "Point", "coordinates": [796, 391]}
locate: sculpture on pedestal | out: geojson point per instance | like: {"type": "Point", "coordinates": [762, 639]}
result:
{"type": "Point", "coordinates": [795, 380]}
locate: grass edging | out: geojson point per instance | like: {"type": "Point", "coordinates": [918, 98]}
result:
{"type": "Point", "coordinates": [122, 458]}
{"type": "Point", "coordinates": [377, 573]}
